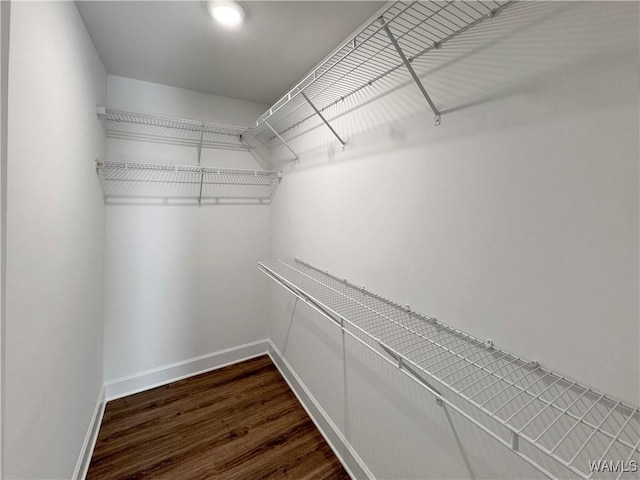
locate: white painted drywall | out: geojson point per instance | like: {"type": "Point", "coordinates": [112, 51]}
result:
{"type": "Point", "coordinates": [515, 220]}
{"type": "Point", "coordinates": [181, 281]}
{"type": "Point", "coordinates": [55, 230]}
{"type": "Point", "coordinates": [5, 13]}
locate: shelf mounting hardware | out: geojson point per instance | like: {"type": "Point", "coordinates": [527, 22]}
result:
{"type": "Point", "coordinates": [413, 73]}
{"type": "Point", "coordinates": [200, 143]}
{"type": "Point", "coordinates": [200, 164]}
{"type": "Point", "coordinates": [201, 185]}
{"type": "Point", "coordinates": [282, 140]}
{"type": "Point", "coordinates": [335, 134]}
{"type": "Point", "coordinates": [515, 441]}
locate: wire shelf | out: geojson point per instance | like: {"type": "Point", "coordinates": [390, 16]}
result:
{"type": "Point", "coordinates": [152, 183]}
{"type": "Point", "coordinates": [369, 56]}
{"type": "Point", "coordinates": [170, 130]}
{"type": "Point", "coordinates": [571, 423]}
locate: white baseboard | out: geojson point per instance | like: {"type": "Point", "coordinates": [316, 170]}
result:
{"type": "Point", "coordinates": [82, 466]}
{"type": "Point", "coordinates": [124, 386]}
{"type": "Point", "coordinates": [352, 462]}
{"type": "Point", "coordinates": [139, 382]}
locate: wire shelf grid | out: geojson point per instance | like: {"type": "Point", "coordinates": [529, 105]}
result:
{"type": "Point", "coordinates": [125, 125]}
{"type": "Point", "coordinates": [369, 56]}
{"type": "Point", "coordinates": [571, 423]}
{"type": "Point", "coordinates": [189, 184]}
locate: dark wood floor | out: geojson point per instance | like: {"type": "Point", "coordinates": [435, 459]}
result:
{"type": "Point", "coordinates": [238, 422]}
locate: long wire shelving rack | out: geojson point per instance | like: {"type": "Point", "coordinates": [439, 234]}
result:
{"type": "Point", "coordinates": [170, 130]}
{"type": "Point", "coordinates": [183, 184]}
{"type": "Point", "coordinates": [530, 408]}
{"type": "Point", "coordinates": [402, 33]}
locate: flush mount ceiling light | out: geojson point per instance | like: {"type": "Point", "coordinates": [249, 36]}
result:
{"type": "Point", "coordinates": [227, 13]}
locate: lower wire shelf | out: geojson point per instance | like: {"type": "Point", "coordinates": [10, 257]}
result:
{"type": "Point", "coordinates": [527, 408]}
{"type": "Point", "coordinates": [183, 185]}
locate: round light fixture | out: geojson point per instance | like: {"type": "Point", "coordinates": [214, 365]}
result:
{"type": "Point", "coordinates": [227, 13]}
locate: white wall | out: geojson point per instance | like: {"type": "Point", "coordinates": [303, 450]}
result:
{"type": "Point", "coordinates": [55, 229]}
{"type": "Point", "coordinates": [515, 220]}
{"type": "Point", "coordinates": [181, 281]}
{"type": "Point", "coordinates": [5, 12]}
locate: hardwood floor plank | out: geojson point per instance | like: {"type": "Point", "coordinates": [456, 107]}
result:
{"type": "Point", "coordinates": [239, 422]}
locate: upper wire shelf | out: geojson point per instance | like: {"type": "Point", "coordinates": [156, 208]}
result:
{"type": "Point", "coordinates": [185, 185]}
{"type": "Point", "coordinates": [170, 130]}
{"type": "Point", "coordinates": [411, 29]}
{"type": "Point", "coordinates": [524, 406]}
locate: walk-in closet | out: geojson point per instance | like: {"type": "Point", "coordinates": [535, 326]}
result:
{"type": "Point", "coordinates": [320, 240]}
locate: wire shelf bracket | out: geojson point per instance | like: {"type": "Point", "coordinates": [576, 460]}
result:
{"type": "Point", "coordinates": [315, 109]}
{"type": "Point", "coordinates": [412, 72]}
{"type": "Point", "coordinates": [553, 423]}
{"type": "Point", "coordinates": [145, 183]}
{"type": "Point", "coordinates": [284, 142]}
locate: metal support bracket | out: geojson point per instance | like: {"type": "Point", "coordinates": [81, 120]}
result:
{"type": "Point", "coordinates": [413, 73]}
{"type": "Point", "coordinates": [201, 185]}
{"type": "Point", "coordinates": [282, 140]}
{"type": "Point", "coordinates": [200, 144]}
{"type": "Point", "coordinates": [99, 173]}
{"type": "Point", "coordinates": [199, 162]}
{"type": "Point", "coordinates": [335, 134]}
{"type": "Point", "coordinates": [515, 441]}
{"type": "Point", "coordinates": [402, 365]}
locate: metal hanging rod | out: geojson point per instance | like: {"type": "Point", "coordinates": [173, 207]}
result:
{"type": "Point", "coordinates": [170, 130]}
{"type": "Point", "coordinates": [183, 184]}
{"type": "Point", "coordinates": [370, 55]}
{"type": "Point", "coordinates": [529, 406]}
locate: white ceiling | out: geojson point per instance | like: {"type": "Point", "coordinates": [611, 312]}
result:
{"type": "Point", "coordinates": [176, 43]}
